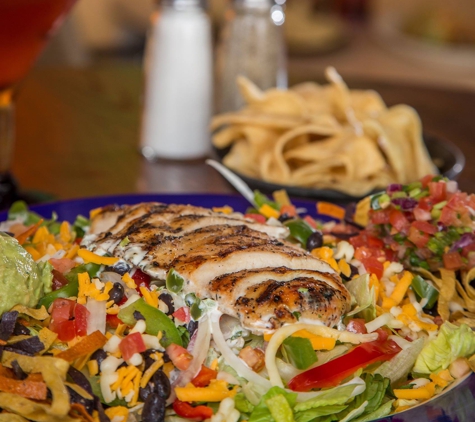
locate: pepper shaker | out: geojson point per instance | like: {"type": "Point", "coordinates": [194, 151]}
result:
{"type": "Point", "coordinates": [252, 45]}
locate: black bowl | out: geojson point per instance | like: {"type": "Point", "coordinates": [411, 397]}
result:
{"type": "Point", "coordinates": [448, 158]}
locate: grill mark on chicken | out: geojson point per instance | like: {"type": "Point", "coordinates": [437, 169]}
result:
{"type": "Point", "coordinates": [255, 277]}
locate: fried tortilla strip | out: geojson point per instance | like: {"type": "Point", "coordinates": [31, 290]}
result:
{"type": "Point", "coordinates": [259, 119]}
{"type": "Point", "coordinates": [85, 346]}
{"type": "Point", "coordinates": [39, 314]}
{"type": "Point", "coordinates": [11, 417]}
{"type": "Point", "coordinates": [447, 291]}
{"type": "Point", "coordinates": [466, 280]}
{"type": "Point", "coordinates": [31, 410]}
{"type": "Point", "coordinates": [47, 337]}
{"type": "Point", "coordinates": [54, 372]}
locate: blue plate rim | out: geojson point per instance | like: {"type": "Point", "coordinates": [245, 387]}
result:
{"type": "Point", "coordinates": [439, 409]}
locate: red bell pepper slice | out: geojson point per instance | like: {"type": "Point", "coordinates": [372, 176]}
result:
{"type": "Point", "coordinates": [185, 410]}
{"type": "Point", "coordinates": [330, 374]}
{"type": "Point", "coordinates": [204, 377]}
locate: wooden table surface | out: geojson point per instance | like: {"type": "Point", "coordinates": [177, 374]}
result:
{"type": "Point", "coordinates": [78, 133]}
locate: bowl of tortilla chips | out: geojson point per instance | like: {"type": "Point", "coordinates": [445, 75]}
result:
{"type": "Point", "coordinates": [327, 141]}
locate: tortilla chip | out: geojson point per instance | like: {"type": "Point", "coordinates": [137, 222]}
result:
{"type": "Point", "coordinates": [446, 292]}
{"type": "Point", "coordinates": [39, 314]}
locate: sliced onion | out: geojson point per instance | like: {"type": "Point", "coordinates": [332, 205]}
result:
{"type": "Point", "coordinates": [379, 322]}
{"type": "Point", "coordinates": [282, 333]}
{"type": "Point", "coordinates": [231, 359]}
{"type": "Point", "coordinates": [96, 320]}
{"type": "Point", "coordinates": [402, 343]}
{"type": "Point", "coordinates": [360, 386]}
{"type": "Point", "coordinates": [202, 343]}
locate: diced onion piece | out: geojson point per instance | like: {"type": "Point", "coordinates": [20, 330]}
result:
{"type": "Point", "coordinates": [420, 382]}
{"type": "Point", "coordinates": [96, 320]}
{"type": "Point", "coordinates": [286, 331]}
{"type": "Point", "coordinates": [232, 360]}
{"type": "Point", "coordinates": [402, 343]}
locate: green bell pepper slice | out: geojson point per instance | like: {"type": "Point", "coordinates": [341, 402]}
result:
{"type": "Point", "coordinates": [299, 230]}
{"type": "Point", "coordinates": [299, 351]}
{"type": "Point", "coordinates": [425, 290]}
{"type": "Point", "coordinates": [155, 321]}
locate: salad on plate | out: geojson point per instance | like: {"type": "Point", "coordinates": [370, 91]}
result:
{"type": "Point", "coordinates": [93, 329]}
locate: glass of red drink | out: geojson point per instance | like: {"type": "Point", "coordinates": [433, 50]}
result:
{"type": "Point", "coordinates": [25, 27]}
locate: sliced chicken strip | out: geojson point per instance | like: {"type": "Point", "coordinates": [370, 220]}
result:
{"type": "Point", "coordinates": [266, 298]}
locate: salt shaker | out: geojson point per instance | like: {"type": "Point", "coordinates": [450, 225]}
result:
{"type": "Point", "coordinates": [179, 73]}
{"type": "Point", "coordinates": [252, 45]}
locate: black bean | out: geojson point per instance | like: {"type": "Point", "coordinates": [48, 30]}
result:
{"type": "Point", "coordinates": [284, 217]}
{"type": "Point", "coordinates": [168, 300]}
{"type": "Point", "coordinates": [315, 240]}
{"type": "Point", "coordinates": [154, 409]}
{"type": "Point", "coordinates": [146, 391]}
{"type": "Point", "coordinates": [99, 355]}
{"type": "Point", "coordinates": [162, 384]}
{"type": "Point", "coordinates": [138, 316]}
{"type": "Point", "coordinates": [116, 293]}
{"type": "Point", "coordinates": [120, 268]}
{"type": "Point", "coordinates": [192, 326]}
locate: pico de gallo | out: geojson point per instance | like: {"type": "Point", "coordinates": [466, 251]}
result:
{"type": "Point", "coordinates": [106, 342]}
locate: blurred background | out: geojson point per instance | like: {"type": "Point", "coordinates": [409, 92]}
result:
{"type": "Point", "coordinates": [422, 41]}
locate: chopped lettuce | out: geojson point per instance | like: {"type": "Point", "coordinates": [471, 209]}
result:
{"type": "Point", "coordinates": [364, 296]}
{"type": "Point", "coordinates": [261, 412]}
{"type": "Point", "coordinates": [400, 365]}
{"type": "Point", "coordinates": [317, 412]}
{"type": "Point", "coordinates": [334, 396]}
{"type": "Point", "coordinates": [382, 411]}
{"type": "Point", "coordinates": [280, 409]}
{"type": "Point", "coordinates": [451, 343]}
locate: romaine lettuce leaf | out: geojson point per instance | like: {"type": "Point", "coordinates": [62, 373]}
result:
{"type": "Point", "coordinates": [451, 343]}
{"type": "Point", "coordinates": [261, 412]}
{"type": "Point", "coordinates": [364, 296]}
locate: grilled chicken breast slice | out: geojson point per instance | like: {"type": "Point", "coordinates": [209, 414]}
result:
{"type": "Point", "coordinates": [113, 221]}
{"type": "Point", "coordinates": [267, 298]}
{"type": "Point", "coordinates": [207, 248]}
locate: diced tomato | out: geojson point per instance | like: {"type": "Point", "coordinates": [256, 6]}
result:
{"type": "Point", "coordinates": [113, 321]}
{"type": "Point", "coordinates": [426, 179]}
{"type": "Point", "coordinates": [438, 191]}
{"type": "Point", "coordinates": [141, 280]}
{"type": "Point", "coordinates": [366, 240]}
{"type": "Point", "coordinates": [449, 217]}
{"type": "Point", "coordinates": [197, 413]}
{"type": "Point", "coordinates": [425, 227]}
{"type": "Point", "coordinates": [379, 217]}
{"type": "Point", "coordinates": [289, 210]}
{"type": "Point", "coordinates": [63, 265]}
{"type": "Point", "coordinates": [383, 334]}
{"type": "Point", "coordinates": [182, 314]}
{"type": "Point", "coordinates": [68, 319]}
{"type": "Point", "coordinates": [256, 217]}
{"type": "Point", "coordinates": [66, 330]}
{"type": "Point", "coordinates": [330, 374]}
{"type": "Point", "coordinates": [62, 310]}
{"type": "Point", "coordinates": [467, 249]}
{"type": "Point", "coordinates": [179, 356]}
{"type": "Point", "coordinates": [452, 260]}
{"type": "Point", "coordinates": [310, 221]}
{"type": "Point", "coordinates": [204, 377]}
{"type": "Point", "coordinates": [357, 325]}
{"type": "Point", "coordinates": [417, 237]}
{"type": "Point", "coordinates": [131, 344]}
{"type": "Point", "coordinates": [421, 214]}
{"type": "Point", "coordinates": [399, 221]}
{"type": "Point", "coordinates": [373, 266]}
{"type": "Point", "coordinates": [80, 318]}
{"type": "Point", "coordinates": [425, 203]}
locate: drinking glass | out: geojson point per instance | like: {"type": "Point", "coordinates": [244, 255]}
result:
{"type": "Point", "coordinates": [25, 27]}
